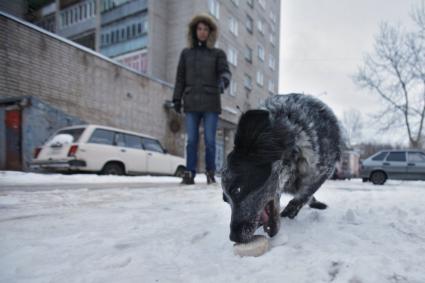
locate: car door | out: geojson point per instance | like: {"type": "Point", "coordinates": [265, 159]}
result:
{"type": "Point", "coordinates": [395, 165]}
{"type": "Point", "coordinates": [157, 160]}
{"type": "Point", "coordinates": [122, 151]}
{"type": "Point", "coordinates": [416, 165]}
{"type": "Point", "coordinates": [100, 149]}
{"type": "Point", "coordinates": [137, 156]}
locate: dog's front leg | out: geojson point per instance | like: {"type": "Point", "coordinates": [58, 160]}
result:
{"type": "Point", "coordinates": [304, 195]}
{"type": "Point", "coordinates": [293, 207]}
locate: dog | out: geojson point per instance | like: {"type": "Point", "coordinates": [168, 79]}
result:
{"type": "Point", "coordinates": [290, 144]}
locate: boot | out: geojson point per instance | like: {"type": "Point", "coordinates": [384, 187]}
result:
{"type": "Point", "coordinates": [188, 178]}
{"type": "Point", "coordinates": [210, 177]}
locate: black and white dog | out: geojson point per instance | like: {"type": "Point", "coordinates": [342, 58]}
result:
{"type": "Point", "coordinates": [289, 145]}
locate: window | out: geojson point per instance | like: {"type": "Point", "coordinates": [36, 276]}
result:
{"type": "Point", "coordinates": [75, 14]}
{"type": "Point", "coordinates": [71, 17]}
{"type": "Point", "coordinates": [233, 26]}
{"type": "Point", "coordinates": [416, 157]}
{"type": "Point", "coordinates": [152, 145]}
{"type": "Point", "coordinates": [248, 54]}
{"type": "Point", "coordinates": [101, 136]}
{"type": "Point", "coordinates": [273, 17]}
{"type": "Point", "coordinates": [233, 88]}
{"type": "Point", "coordinates": [397, 156]}
{"type": "Point", "coordinates": [260, 78]}
{"type": "Point", "coordinates": [261, 52]}
{"type": "Point", "coordinates": [91, 8]}
{"type": "Point", "coordinates": [380, 156]}
{"type": "Point", "coordinates": [134, 141]}
{"type": "Point", "coordinates": [134, 29]}
{"type": "Point", "coordinates": [273, 28]}
{"type": "Point", "coordinates": [271, 87]}
{"type": "Point", "coordinates": [249, 24]}
{"type": "Point", "coordinates": [75, 133]}
{"type": "Point", "coordinates": [248, 82]}
{"type": "Point", "coordinates": [233, 56]}
{"type": "Point", "coordinates": [272, 62]}
{"type": "Point", "coordinates": [272, 39]}
{"type": "Point", "coordinates": [112, 37]}
{"type": "Point", "coordinates": [262, 3]}
{"type": "Point", "coordinates": [123, 34]}
{"type": "Point", "coordinates": [214, 8]}
{"type": "Point", "coordinates": [119, 140]}
{"type": "Point", "coordinates": [260, 26]}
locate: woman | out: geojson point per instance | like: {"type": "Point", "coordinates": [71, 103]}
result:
{"type": "Point", "coordinates": [202, 75]}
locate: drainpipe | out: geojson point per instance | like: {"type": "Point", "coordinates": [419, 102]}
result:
{"type": "Point", "coordinates": [97, 28]}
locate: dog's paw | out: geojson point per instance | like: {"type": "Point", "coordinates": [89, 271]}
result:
{"type": "Point", "coordinates": [318, 205]}
{"type": "Point", "coordinates": [292, 209]}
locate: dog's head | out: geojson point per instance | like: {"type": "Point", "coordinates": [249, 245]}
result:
{"type": "Point", "coordinates": [249, 178]}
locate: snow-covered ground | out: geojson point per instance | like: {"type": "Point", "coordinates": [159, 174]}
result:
{"type": "Point", "coordinates": [180, 234]}
{"type": "Point", "coordinates": [21, 178]}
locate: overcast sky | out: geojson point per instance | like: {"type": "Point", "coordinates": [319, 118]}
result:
{"type": "Point", "coordinates": [322, 46]}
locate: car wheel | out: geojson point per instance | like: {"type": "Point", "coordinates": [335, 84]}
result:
{"type": "Point", "coordinates": [180, 172]}
{"type": "Point", "coordinates": [378, 178]}
{"type": "Point", "coordinates": [113, 169]}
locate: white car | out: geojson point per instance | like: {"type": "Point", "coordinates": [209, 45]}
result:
{"type": "Point", "coordinates": [106, 150]}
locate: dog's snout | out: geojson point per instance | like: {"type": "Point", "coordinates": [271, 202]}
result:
{"type": "Point", "coordinates": [240, 232]}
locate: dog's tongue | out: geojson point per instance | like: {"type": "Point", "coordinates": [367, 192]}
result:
{"type": "Point", "coordinates": [264, 217]}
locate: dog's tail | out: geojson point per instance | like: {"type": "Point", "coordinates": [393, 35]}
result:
{"type": "Point", "coordinates": [314, 203]}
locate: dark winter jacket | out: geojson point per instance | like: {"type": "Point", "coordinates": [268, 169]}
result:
{"type": "Point", "coordinates": [200, 70]}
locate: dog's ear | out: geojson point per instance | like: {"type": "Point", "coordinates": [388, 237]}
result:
{"type": "Point", "coordinates": [258, 140]}
{"type": "Point", "coordinates": [251, 124]}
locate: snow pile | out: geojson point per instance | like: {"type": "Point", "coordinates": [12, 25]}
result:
{"type": "Point", "coordinates": [180, 234]}
{"type": "Point", "coordinates": [61, 139]}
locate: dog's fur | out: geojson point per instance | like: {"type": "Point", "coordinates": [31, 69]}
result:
{"type": "Point", "coordinates": [291, 145]}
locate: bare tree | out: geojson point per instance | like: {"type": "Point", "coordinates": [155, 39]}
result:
{"type": "Point", "coordinates": [396, 72]}
{"type": "Point", "coordinates": [353, 125]}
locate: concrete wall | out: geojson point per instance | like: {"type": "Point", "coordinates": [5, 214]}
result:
{"type": "Point", "coordinates": [39, 122]}
{"type": "Point", "coordinates": [82, 83]}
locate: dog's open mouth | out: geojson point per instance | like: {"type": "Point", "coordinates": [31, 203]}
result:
{"type": "Point", "coordinates": [268, 219]}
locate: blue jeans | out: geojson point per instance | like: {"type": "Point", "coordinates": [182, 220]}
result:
{"type": "Point", "coordinates": [193, 120]}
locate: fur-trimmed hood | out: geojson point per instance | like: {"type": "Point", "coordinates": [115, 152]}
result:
{"type": "Point", "coordinates": [191, 33]}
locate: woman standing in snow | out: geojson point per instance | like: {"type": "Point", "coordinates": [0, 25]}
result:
{"type": "Point", "coordinates": [202, 75]}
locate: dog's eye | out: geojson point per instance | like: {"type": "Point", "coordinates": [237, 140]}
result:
{"type": "Point", "coordinates": [236, 192]}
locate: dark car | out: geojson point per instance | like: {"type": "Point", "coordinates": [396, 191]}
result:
{"type": "Point", "coordinates": [406, 164]}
